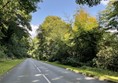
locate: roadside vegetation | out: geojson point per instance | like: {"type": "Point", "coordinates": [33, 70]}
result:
{"type": "Point", "coordinates": [6, 65]}
{"type": "Point", "coordinates": [85, 43]}
{"type": "Point", "coordinates": [15, 20]}
{"type": "Point", "coordinates": [97, 73]}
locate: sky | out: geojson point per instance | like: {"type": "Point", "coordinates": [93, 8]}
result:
{"type": "Point", "coordinates": [62, 8]}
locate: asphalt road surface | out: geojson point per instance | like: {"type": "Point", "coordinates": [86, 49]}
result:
{"type": "Point", "coordinates": [33, 71]}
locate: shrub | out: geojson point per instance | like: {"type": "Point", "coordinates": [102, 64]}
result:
{"type": "Point", "coordinates": [107, 57]}
{"type": "Point", "coordinates": [2, 51]}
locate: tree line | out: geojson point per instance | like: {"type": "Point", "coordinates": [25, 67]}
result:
{"type": "Point", "coordinates": [15, 17]}
{"type": "Point", "coordinates": [86, 42]}
{"type": "Point", "coordinates": [14, 25]}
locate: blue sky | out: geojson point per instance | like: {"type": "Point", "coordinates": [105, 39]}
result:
{"type": "Point", "coordinates": [61, 8]}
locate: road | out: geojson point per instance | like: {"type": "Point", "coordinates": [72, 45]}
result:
{"type": "Point", "coordinates": [33, 71]}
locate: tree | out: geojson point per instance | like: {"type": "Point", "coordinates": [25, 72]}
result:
{"type": "Point", "coordinates": [51, 35]}
{"type": "Point", "coordinates": [88, 2]}
{"type": "Point", "coordinates": [107, 56]}
{"type": "Point", "coordinates": [14, 25]}
{"type": "Point", "coordinates": [59, 42]}
{"type": "Point", "coordinates": [86, 35]}
{"type": "Point", "coordinates": [108, 17]}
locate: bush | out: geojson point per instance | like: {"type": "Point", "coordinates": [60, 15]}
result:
{"type": "Point", "coordinates": [3, 49]}
{"type": "Point", "coordinates": [73, 62]}
{"type": "Point", "coordinates": [107, 57]}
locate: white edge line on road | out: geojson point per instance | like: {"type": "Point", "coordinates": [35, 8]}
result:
{"type": "Point", "coordinates": [42, 74]}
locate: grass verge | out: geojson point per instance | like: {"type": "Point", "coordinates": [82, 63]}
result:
{"type": "Point", "coordinates": [92, 72]}
{"type": "Point", "coordinates": [6, 65]}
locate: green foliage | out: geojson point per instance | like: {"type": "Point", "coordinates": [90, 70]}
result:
{"type": "Point", "coordinates": [58, 41]}
{"type": "Point", "coordinates": [15, 19]}
{"type": "Point", "coordinates": [81, 44]}
{"type": "Point", "coordinates": [21, 47]}
{"type": "Point", "coordinates": [107, 57]}
{"type": "Point", "coordinates": [108, 17]}
{"type": "Point", "coordinates": [113, 16]}
{"type": "Point", "coordinates": [52, 37]}
{"type": "Point", "coordinates": [34, 51]}
{"type": "Point", "coordinates": [88, 2]}
{"type": "Point", "coordinates": [102, 74]}
{"type": "Point", "coordinates": [85, 38]}
{"type": "Point", "coordinates": [83, 21]}
{"type": "Point", "coordinates": [85, 48]}
{"type": "Point", "coordinates": [3, 49]}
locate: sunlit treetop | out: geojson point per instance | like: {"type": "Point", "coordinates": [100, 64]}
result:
{"type": "Point", "coordinates": [84, 21]}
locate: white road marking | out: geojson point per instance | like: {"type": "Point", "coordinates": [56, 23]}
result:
{"type": "Point", "coordinates": [46, 78]}
{"type": "Point", "coordinates": [38, 69]}
{"type": "Point", "coordinates": [38, 75]}
{"type": "Point", "coordinates": [42, 74]}
{"type": "Point", "coordinates": [35, 80]}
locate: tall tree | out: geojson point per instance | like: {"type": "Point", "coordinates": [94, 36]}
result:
{"type": "Point", "coordinates": [109, 16]}
{"type": "Point", "coordinates": [83, 21]}
{"type": "Point", "coordinates": [53, 31]}
{"type": "Point", "coordinates": [85, 37]}
{"type": "Point", "coordinates": [14, 24]}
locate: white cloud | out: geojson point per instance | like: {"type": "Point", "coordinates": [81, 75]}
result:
{"type": "Point", "coordinates": [33, 32]}
{"type": "Point", "coordinates": [105, 2]}
{"type": "Point", "coordinates": [112, 31]}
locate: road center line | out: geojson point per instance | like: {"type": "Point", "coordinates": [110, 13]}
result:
{"type": "Point", "coordinates": [46, 78]}
{"type": "Point", "coordinates": [38, 69]}
{"type": "Point", "coordinates": [42, 74]}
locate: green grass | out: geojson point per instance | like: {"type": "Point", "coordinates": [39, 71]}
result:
{"type": "Point", "coordinates": [6, 65]}
{"type": "Point", "coordinates": [93, 72]}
